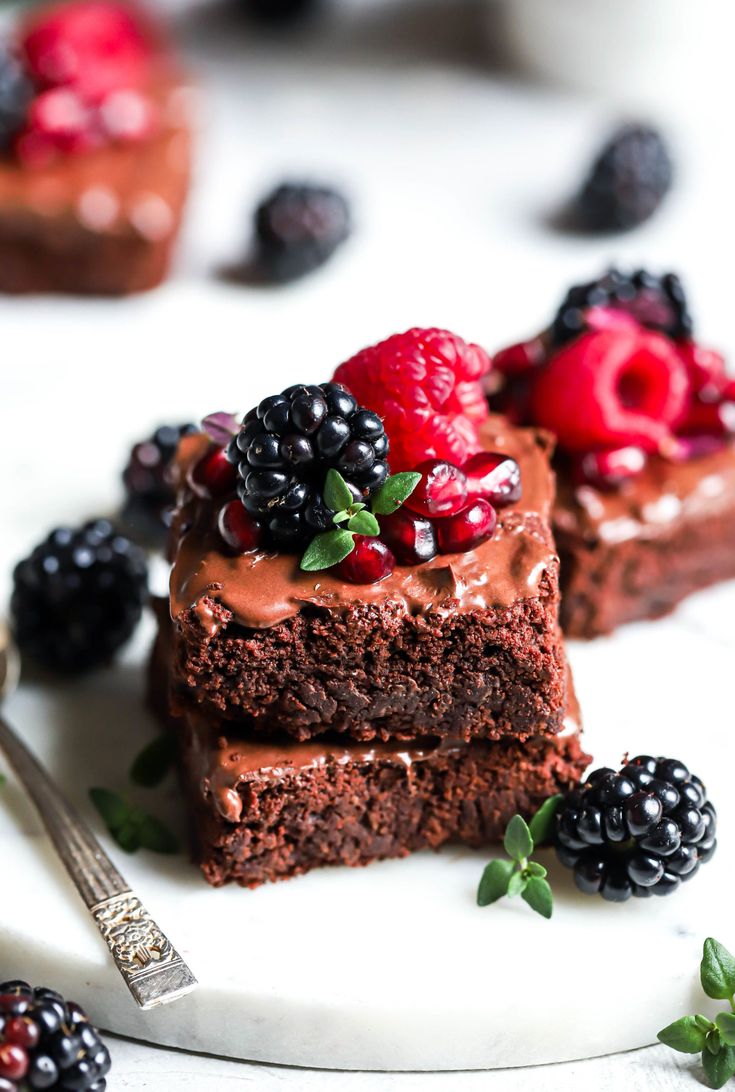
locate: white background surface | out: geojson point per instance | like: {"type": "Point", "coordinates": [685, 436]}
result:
{"type": "Point", "coordinates": [453, 172]}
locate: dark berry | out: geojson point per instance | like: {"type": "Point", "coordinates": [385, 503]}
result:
{"type": "Point", "coordinates": [297, 228]}
{"type": "Point", "coordinates": [467, 529]}
{"type": "Point", "coordinates": [628, 181]}
{"type": "Point", "coordinates": [287, 445]}
{"type": "Point", "coordinates": [149, 490]}
{"type": "Point", "coordinates": [52, 1046]}
{"type": "Point", "coordinates": [369, 562]}
{"type": "Point", "coordinates": [16, 93]}
{"type": "Point", "coordinates": [659, 303]}
{"type": "Point", "coordinates": [494, 477]}
{"type": "Point", "coordinates": [273, 13]}
{"type": "Point", "coordinates": [411, 537]}
{"type": "Point", "coordinates": [78, 597]}
{"type": "Point", "coordinates": [442, 490]}
{"type": "Point", "coordinates": [632, 833]}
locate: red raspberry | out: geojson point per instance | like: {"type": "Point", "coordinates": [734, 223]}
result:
{"type": "Point", "coordinates": [425, 384]}
{"type": "Point", "coordinates": [96, 46]}
{"type": "Point", "coordinates": [612, 388]}
{"type": "Point", "coordinates": [58, 123]}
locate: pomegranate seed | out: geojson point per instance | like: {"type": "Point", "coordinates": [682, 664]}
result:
{"type": "Point", "coordinates": [214, 475]}
{"type": "Point", "coordinates": [683, 448]}
{"type": "Point", "coordinates": [728, 391]}
{"type": "Point", "coordinates": [411, 538]}
{"type": "Point", "coordinates": [705, 366]}
{"type": "Point", "coordinates": [238, 528]}
{"type": "Point", "coordinates": [369, 562]}
{"type": "Point", "coordinates": [712, 418]}
{"type": "Point", "coordinates": [520, 358]}
{"type": "Point", "coordinates": [467, 529]}
{"type": "Point", "coordinates": [442, 490]}
{"type": "Point", "coordinates": [493, 476]}
{"type": "Point", "coordinates": [24, 1033]}
{"type": "Point", "coordinates": [611, 467]}
{"type": "Point", "coordinates": [13, 1062]}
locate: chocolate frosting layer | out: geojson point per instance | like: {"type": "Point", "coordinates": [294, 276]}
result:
{"type": "Point", "coordinates": [663, 495]}
{"type": "Point", "coordinates": [262, 589]}
{"type": "Point", "coordinates": [225, 764]}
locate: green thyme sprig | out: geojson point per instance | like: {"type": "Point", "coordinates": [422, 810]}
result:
{"type": "Point", "coordinates": [714, 1039]}
{"type": "Point", "coordinates": [354, 518]}
{"type": "Point", "coordinates": [131, 827]}
{"type": "Point", "coordinates": [520, 875]}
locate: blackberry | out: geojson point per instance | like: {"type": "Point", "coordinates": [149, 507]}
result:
{"type": "Point", "coordinates": [287, 444]}
{"type": "Point", "coordinates": [149, 492]}
{"type": "Point", "coordinates": [47, 1042]}
{"type": "Point", "coordinates": [658, 302]}
{"type": "Point", "coordinates": [275, 12]}
{"type": "Point", "coordinates": [78, 597]}
{"type": "Point", "coordinates": [297, 228]}
{"type": "Point", "coordinates": [16, 92]}
{"type": "Point", "coordinates": [639, 831]}
{"type": "Point", "coordinates": [627, 182]}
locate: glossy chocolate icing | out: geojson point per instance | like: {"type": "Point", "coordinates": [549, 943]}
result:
{"type": "Point", "coordinates": [223, 764]}
{"type": "Point", "coordinates": [136, 188]}
{"type": "Point", "coordinates": [263, 589]}
{"type": "Point", "coordinates": [662, 496]}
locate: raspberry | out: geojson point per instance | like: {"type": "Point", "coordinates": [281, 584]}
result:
{"type": "Point", "coordinates": [425, 384]}
{"type": "Point", "coordinates": [612, 388]}
{"type": "Point", "coordinates": [94, 46]}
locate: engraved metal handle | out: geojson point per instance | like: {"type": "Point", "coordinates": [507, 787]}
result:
{"type": "Point", "coordinates": [153, 970]}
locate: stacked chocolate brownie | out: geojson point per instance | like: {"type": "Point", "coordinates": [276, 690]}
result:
{"type": "Point", "coordinates": [322, 722]}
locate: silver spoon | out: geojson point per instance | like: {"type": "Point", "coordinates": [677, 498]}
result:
{"type": "Point", "coordinates": [152, 969]}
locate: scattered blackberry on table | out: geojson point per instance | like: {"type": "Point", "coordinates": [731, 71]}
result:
{"type": "Point", "coordinates": [48, 1043]}
{"type": "Point", "coordinates": [149, 494]}
{"type": "Point", "coordinates": [628, 181]}
{"type": "Point", "coordinates": [78, 597]}
{"type": "Point", "coordinates": [276, 12]}
{"type": "Point", "coordinates": [16, 92]}
{"type": "Point", "coordinates": [658, 302]}
{"type": "Point", "coordinates": [639, 831]}
{"type": "Point", "coordinates": [297, 228]}
{"type": "Point", "coordinates": [287, 444]}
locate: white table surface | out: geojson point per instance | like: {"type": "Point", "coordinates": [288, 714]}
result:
{"type": "Point", "coordinates": [453, 171]}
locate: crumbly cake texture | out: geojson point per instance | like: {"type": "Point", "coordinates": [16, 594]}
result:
{"type": "Point", "coordinates": [464, 646]}
{"type": "Point", "coordinates": [637, 553]}
{"type": "Point", "coordinates": [103, 222]}
{"type": "Point", "coordinates": [262, 810]}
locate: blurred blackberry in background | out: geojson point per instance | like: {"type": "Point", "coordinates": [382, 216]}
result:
{"type": "Point", "coordinates": [47, 1042]}
{"type": "Point", "coordinates": [627, 182]}
{"type": "Point", "coordinates": [16, 92]}
{"type": "Point", "coordinates": [78, 597]}
{"type": "Point", "coordinates": [657, 302]}
{"type": "Point", "coordinates": [640, 831]}
{"type": "Point", "coordinates": [287, 444]}
{"type": "Point", "coordinates": [278, 12]}
{"type": "Point", "coordinates": [149, 494]}
{"type": "Point", "coordinates": [297, 228]}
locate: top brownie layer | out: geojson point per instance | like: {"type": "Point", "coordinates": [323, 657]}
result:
{"type": "Point", "coordinates": [466, 645]}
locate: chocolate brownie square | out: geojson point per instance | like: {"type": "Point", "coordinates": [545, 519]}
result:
{"type": "Point", "coordinates": [464, 646]}
{"type": "Point", "coordinates": [644, 418]}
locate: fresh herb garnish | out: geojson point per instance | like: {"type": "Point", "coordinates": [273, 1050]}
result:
{"type": "Point", "coordinates": [154, 762]}
{"type": "Point", "coordinates": [520, 875]}
{"type": "Point", "coordinates": [714, 1039]}
{"type": "Point", "coordinates": [353, 518]}
{"type": "Point", "coordinates": [132, 828]}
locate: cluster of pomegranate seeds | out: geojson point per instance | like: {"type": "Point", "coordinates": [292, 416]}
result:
{"type": "Point", "coordinates": [625, 387]}
{"type": "Point", "coordinates": [88, 63]}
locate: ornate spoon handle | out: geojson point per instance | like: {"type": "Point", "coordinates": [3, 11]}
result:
{"type": "Point", "coordinates": [153, 970]}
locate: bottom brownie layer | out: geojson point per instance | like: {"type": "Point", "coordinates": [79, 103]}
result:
{"type": "Point", "coordinates": [264, 813]}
